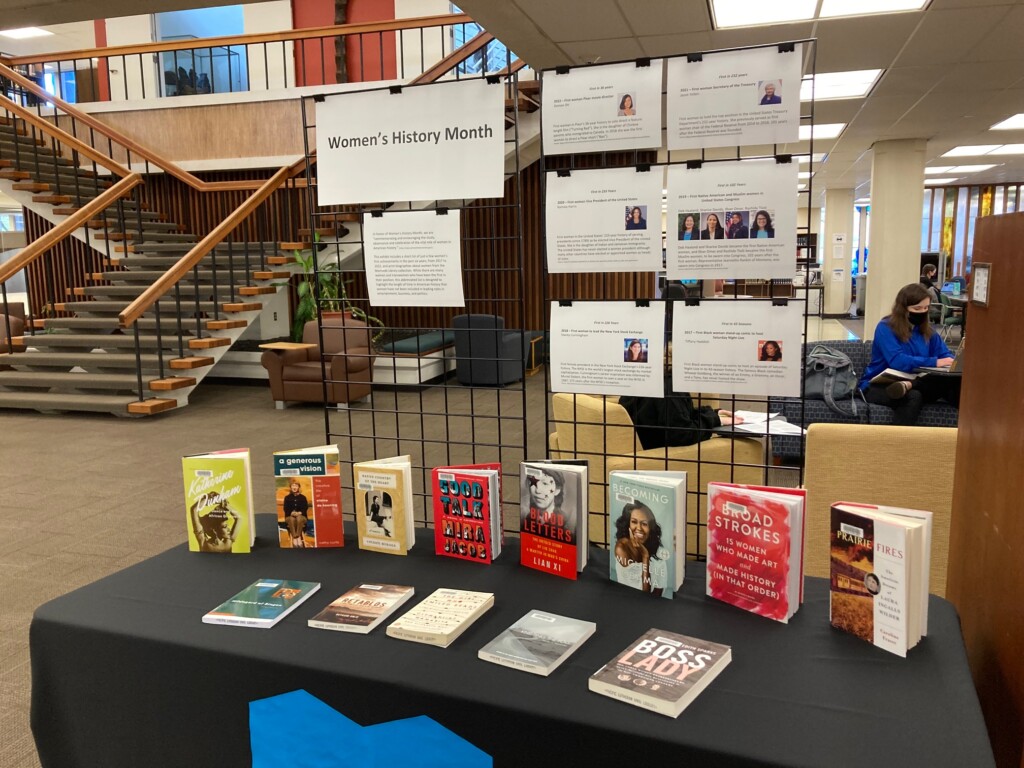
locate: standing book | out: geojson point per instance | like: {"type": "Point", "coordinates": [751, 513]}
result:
{"type": "Point", "coordinates": [384, 514]}
{"type": "Point", "coordinates": [538, 643]}
{"type": "Point", "coordinates": [263, 603]}
{"type": "Point", "coordinates": [467, 518]}
{"type": "Point", "coordinates": [362, 608]}
{"type": "Point", "coordinates": [755, 548]}
{"type": "Point", "coordinates": [218, 501]}
{"type": "Point", "coordinates": [647, 522]}
{"type": "Point", "coordinates": [553, 516]}
{"type": "Point", "coordinates": [880, 560]}
{"type": "Point", "coordinates": [661, 671]}
{"type": "Point", "coordinates": [308, 494]}
{"type": "Point", "coordinates": [441, 617]}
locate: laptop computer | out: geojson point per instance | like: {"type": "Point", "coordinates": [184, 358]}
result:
{"type": "Point", "coordinates": [955, 369]}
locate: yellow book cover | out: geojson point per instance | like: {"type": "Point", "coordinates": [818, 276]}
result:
{"type": "Point", "coordinates": [384, 514]}
{"type": "Point", "coordinates": [218, 501]}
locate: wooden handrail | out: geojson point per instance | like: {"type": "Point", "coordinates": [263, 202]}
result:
{"type": "Point", "coordinates": [454, 58]}
{"type": "Point", "coordinates": [59, 134]}
{"type": "Point", "coordinates": [41, 245]}
{"type": "Point", "coordinates": [170, 278]}
{"type": "Point", "coordinates": [311, 33]}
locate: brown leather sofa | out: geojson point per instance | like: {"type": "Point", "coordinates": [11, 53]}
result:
{"type": "Point", "coordinates": [15, 317]}
{"type": "Point", "coordinates": [296, 374]}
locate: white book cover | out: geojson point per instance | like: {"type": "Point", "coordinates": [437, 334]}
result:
{"type": "Point", "coordinates": [539, 642]}
{"type": "Point", "coordinates": [441, 617]}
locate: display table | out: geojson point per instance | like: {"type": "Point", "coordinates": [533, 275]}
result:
{"type": "Point", "coordinates": [124, 673]}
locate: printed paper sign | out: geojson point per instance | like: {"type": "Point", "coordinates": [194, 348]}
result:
{"type": "Point", "coordinates": [731, 220]}
{"type": "Point", "coordinates": [734, 98]}
{"type": "Point", "coordinates": [737, 347]}
{"type": "Point", "coordinates": [604, 221]}
{"type": "Point", "coordinates": [412, 259]}
{"type": "Point", "coordinates": [433, 142]}
{"type": "Point", "coordinates": [602, 108]}
{"type": "Point", "coordinates": [608, 348]}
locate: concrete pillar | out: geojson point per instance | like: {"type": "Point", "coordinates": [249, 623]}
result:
{"type": "Point", "coordinates": [897, 194]}
{"type": "Point", "coordinates": [836, 249]}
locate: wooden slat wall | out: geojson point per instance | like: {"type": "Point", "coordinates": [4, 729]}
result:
{"type": "Point", "coordinates": [68, 265]}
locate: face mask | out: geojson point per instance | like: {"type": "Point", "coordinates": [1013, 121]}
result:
{"type": "Point", "coordinates": [917, 318]}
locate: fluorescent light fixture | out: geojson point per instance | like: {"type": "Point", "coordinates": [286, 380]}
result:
{"type": "Point", "coordinates": [1010, 123]}
{"type": "Point", "coordinates": [817, 157]}
{"type": "Point", "coordinates": [971, 168]}
{"type": "Point", "coordinates": [748, 13]}
{"type": "Point", "coordinates": [801, 187]}
{"type": "Point", "coordinates": [822, 131]}
{"type": "Point", "coordinates": [939, 181]}
{"type": "Point", "coordinates": [1009, 149]}
{"type": "Point", "coordinates": [972, 150]}
{"type": "Point", "coordinates": [25, 33]}
{"type": "Point", "coordinates": [862, 201]}
{"type": "Point", "coordinates": [939, 169]}
{"type": "Point", "coordinates": [839, 85]}
{"type": "Point", "coordinates": [832, 8]}
{"type": "Point", "coordinates": [804, 174]}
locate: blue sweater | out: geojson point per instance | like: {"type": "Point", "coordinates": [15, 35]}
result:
{"type": "Point", "coordinates": [887, 351]}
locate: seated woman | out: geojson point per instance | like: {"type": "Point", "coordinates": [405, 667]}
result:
{"type": "Point", "coordinates": [905, 341]}
{"type": "Point", "coordinates": [673, 419]}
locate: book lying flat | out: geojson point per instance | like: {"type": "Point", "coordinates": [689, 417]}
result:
{"type": "Point", "coordinates": [362, 608]}
{"type": "Point", "coordinates": [890, 375]}
{"type": "Point", "coordinates": [263, 603]}
{"type": "Point", "coordinates": [441, 617]}
{"type": "Point", "coordinates": [538, 643]}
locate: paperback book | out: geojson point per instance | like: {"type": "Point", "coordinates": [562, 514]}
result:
{"type": "Point", "coordinates": [218, 501]}
{"type": "Point", "coordinates": [467, 512]}
{"type": "Point", "coordinates": [263, 603]}
{"type": "Point", "coordinates": [662, 671]}
{"type": "Point", "coordinates": [755, 548]}
{"type": "Point", "coordinates": [307, 485]}
{"type": "Point", "coordinates": [441, 617]}
{"type": "Point", "coordinates": [553, 516]}
{"type": "Point", "coordinates": [384, 513]}
{"type": "Point", "coordinates": [647, 522]}
{"type": "Point", "coordinates": [880, 560]}
{"type": "Point", "coordinates": [362, 608]}
{"type": "Point", "coordinates": [538, 643]}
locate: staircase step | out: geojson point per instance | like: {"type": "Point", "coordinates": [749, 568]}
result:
{"type": "Point", "coordinates": [90, 341]}
{"type": "Point", "coordinates": [132, 291]}
{"type": "Point", "coordinates": [236, 248]}
{"type": "Point", "coordinates": [271, 275]}
{"type": "Point", "coordinates": [94, 361]}
{"type": "Point", "coordinates": [256, 290]}
{"type": "Point", "coordinates": [171, 382]}
{"type": "Point", "coordinates": [15, 176]}
{"type": "Point", "coordinates": [168, 307]}
{"type": "Point", "coordinates": [51, 199]}
{"type": "Point", "coordinates": [277, 261]}
{"type": "Point", "coordinates": [46, 401]}
{"type": "Point", "coordinates": [148, 226]}
{"type": "Point", "coordinates": [148, 276]}
{"type": "Point", "coordinates": [152, 406]}
{"type": "Point", "coordinates": [189, 363]}
{"type": "Point", "coordinates": [134, 215]}
{"type": "Point", "coordinates": [124, 382]}
{"type": "Point", "coordinates": [242, 306]}
{"type": "Point", "coordinates": [30, 186]}
{"type": "Point", "coordinates": [223, 325]}
{"type": "Point", "coordinates": [103, 324]}
{"type": "Point", "coordinates": [149, 237]}
{"type": "Point", "coordinates": [209, 342]}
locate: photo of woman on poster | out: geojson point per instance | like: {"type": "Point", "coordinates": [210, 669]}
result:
{"type": "Point", "coordinates": [712, 228]}
{"type": "Point", "coordinates": [635, 218]}
{"type": "Point", "coordinates": [688, 229]}
{"type": "Point", "coordinates": [769, 90]}
{"type": "Point", "coordinates": [762, 227]}
{"type": "Point", "coordinates": [626, 108]}
{"type": "Point", "coordinates": [636, 351]}
{"type": "Point", "coordinates": [771, 351]}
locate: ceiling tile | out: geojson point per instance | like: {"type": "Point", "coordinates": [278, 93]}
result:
{"type": "Point", "coordinates": [913, 81]}
{"type": "Point", "coordinates": [590, 51]}
{"type": "Point", "coordinates": [670, 45]}
{"type": "Point", "coordinates": [564, 21]}
{"type": "Point", "coordinates": [1003, 42]}
{"type": "Point", "coordinates": [656, 17]}
{"type": "Point", "coordinates": [841, 42]}
{"type": "Point", "coordinates": [734, 38]}
{"type": "Point", "coordinates": [945, 37]}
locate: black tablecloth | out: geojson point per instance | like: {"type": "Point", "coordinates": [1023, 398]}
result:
{"type": "Point", "coordinates": [125, 673]}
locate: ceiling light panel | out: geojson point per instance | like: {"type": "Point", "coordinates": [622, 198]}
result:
{"type": "Point", "coordinates": [1008, 149]}
{"type": "Point", "coordinates": [25, 33]}
{"type": "Point", "coordinates": [726, 14]}
{"type": "Point", "coordinates": [833, 8]}
{"type": "Point", "coordinates": [829, 86]}
{"type": "Point", "coordinates": [938, 169]}
{"type": "Point", "coordinates": [939, 181]}
{"type": "Point", "coordinates": [1010, 123]}
{"type": "Point", "coordinates": [972, 150]}
{"type": "Point", "coordinates": [822, 131]}
{"type": "Point", "coordinates": [971, 168]}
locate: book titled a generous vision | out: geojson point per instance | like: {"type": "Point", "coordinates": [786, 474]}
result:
{"type": "Point", "coordinates": [755, 548]}
{"type": "Point", "coordinates": [362, 608]}
{"type": "Point", "coordinates": [467, 504]}
{"type": "Point", "coordinates": [263, 603]}
{"type": "Point", "coordinates": [218, 501]}
{"type": "Point", "coordinates": [553, 516]}
{"type": "Point", "coordinates": [384, 515]}
{"type": "Point", "coordinates": [661, 671]}
{"type": "Point", "coordinates": [441, 617]}
{"type": "Point", "coordinates": [880, 560]}
{"type": "Point", "coordinates": [307, 485]}
{"type": "Point", "coordinates": [539, 642]}
{"type": "Point", "coordinates": [647, 522]}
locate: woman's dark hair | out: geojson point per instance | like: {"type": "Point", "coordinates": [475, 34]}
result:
{"type": "Point", "coordinates": [899, 320]}
{"type": "Point", "coordinates": [694, 218]}
{"type": "Point", "coordinates": [555, 475]}
{"type": "Point", "coordinates": [929, 269]}
{"type": "Point", "coordinates": [776, 355]}
{"type": "Point", "coordinates": [622, 103]}
{"type": "Point", "coordinates": [637, 209]}
{"type": "Point", "coordinates": [653, 543]}
{"type": "Point", "coordinates": [754, 229]}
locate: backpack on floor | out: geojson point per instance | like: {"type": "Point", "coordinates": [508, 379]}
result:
{"type": "Point", "coordinates": [829, 376]}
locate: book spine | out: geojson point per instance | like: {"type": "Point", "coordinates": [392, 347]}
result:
{"type": "Point", "coordinates": [341, 627]}
{"type": "Point", "coordinates": [237, 622]}
{"type": "Point", "coordinates": [416, 637]}
{"type": "Point", "coordinates": [614, 692]}
{"type": "Point", "coordinates": [513, 663]}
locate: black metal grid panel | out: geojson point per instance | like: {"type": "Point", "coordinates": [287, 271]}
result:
{"type": "Point", "coordinates": [578, 418]}
{"type": "Point", "coordinates": [433, 416]}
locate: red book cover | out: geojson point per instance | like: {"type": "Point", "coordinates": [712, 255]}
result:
{"type": "Point", "coordinates": [549, 503]}
{"type": "Point", "coordinates": [749, 551]}
{"type": "Point", "coordinates": [463, 518]}
{"type": "Point", "coordinates": [308, 495]}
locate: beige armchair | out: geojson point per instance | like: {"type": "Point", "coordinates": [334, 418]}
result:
{"type": "Point", "coordinates": [854, 462]}
{"type": "Point", "coordinates": [296, 374]}
{"type": "Point", "coordinates": [599, 429]}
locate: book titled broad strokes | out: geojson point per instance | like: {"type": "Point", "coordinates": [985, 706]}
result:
{"type": "Point", "coordinates": [362, 608]}
{"type": "Point", "coordinates": [441, 617]}
{"type": "Point", "coordinates": [879, 574]}
{"type": "Point", "coordinates": [467, 519]}
{"type": "Point", "coordinates": [755, 548]}
{"type": "Point", "coordinates": [384, 514]}
{"type": "Point", "coordinates": [662, 671]}
{"type": "Point", "coordinates": [539, 642]}
{"type": "Point", "coordinates": [308, 494]}
{"type": "Point", "coordinates": [553, 516]}
{"type": "Point", "coordinates": [263, 603]}
{"type": "Point", "coordinates": [647, 522]}
{"type": "Point", "coordinates": [218, 501]}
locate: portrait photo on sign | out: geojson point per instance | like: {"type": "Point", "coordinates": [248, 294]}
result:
{"type": "Point", "coordinates": [711, 227]}
{"type": "Point", "coordinates": [737, 225]}
{"type": "Point", "coordinates": [627, 105]}
{"type": "Point", "coordinates": [761, 226]}
{"type": "Point", "coordinates": [689, 226]}
{"type": "Point", "coordinates": [636, 217]}
{"type": "Point", "coordinates": [634, 350]}
{"type": "Point", "coordinates": [769, 351]}
{"type": "Point", "coordinates": [769, 92]}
